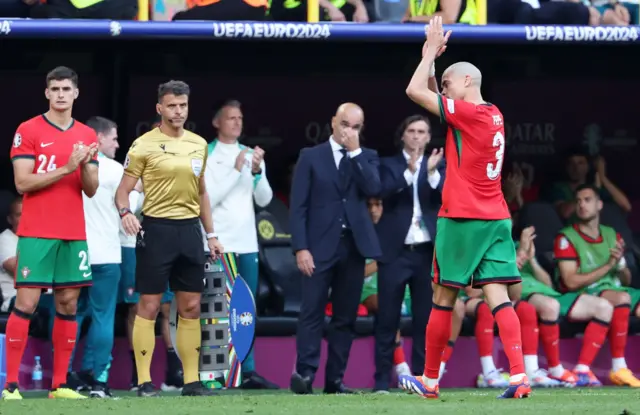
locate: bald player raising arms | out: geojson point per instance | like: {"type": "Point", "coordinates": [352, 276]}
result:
{"type": "Point", "coordinates": [331, 235]}
{"type": "Point", "coordinates": [474, 244]}
{"type": "Point", "coordinates": [170, 161]}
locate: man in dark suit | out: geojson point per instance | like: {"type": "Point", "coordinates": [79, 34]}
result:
{"type": "Point", "coordinates": [332, 234]}
{"type": "Point", "coordinates": [411, 186]}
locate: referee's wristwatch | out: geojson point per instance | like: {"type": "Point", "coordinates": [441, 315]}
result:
{"type": "Point", "coordinates": [124, 212]}
{"type": "Point", "coordinates": [212, 235]}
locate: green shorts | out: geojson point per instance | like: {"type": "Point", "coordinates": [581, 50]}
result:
{"type": "Point", "coordinates": [370, 287]}
{"type": "Point", "coordinates": [52, 263]}
{"type": "Point", "coordinates": [474, 252]}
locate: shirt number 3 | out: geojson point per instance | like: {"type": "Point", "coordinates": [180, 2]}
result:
{"type": "Point", "coordinates": [493, 170]}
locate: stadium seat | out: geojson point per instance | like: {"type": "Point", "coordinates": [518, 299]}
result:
{"type": "Point", "coordinates": [613, 216]}
{"type": "Point", "coordinates": [390, 11]}
{"type": "Point", "coordinates": [277, 262]}
{"type": "Point", "coordinates": [280, 212]}
{"type": "Point", "coordinates": [545, 219]}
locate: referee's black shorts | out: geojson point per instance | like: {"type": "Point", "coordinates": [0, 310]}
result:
{"type": "Point", "coordinates": [169, 250]}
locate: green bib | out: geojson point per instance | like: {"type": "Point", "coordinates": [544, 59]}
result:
{"type": "Point", "coordinates": [592, 255]}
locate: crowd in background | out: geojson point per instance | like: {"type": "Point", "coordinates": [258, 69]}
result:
{"type": "Point", "coordinates": [568, 12]}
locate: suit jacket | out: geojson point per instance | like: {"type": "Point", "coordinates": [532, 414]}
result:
{"type": "Point", "coordinates": [397, 204]}
{"type": "Point", "coordinates": [318, 201]}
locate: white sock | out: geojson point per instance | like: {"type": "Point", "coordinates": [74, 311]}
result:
{"type": "Point", "coordinates": [531, 364]}
{"type": "Point", "coordinates": [488, 365]}
{"type": "Point", "coordinates": [516, 378]}
{"type": "Point", "coordinates": [582, 368]}
{"type": "Point", "coordinates": [618, 363]}
{"type": "Point", "coordinates": [443, 365]}
{"type": "Point", "coordinates": [556, 371]}
{"type": "Point", "coordinates": [431, 383]}
{"type": "Point", "coordinates": [403, 369]}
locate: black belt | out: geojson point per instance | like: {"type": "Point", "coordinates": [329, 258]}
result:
{"type": "Point", "coordinates": [417, 247]}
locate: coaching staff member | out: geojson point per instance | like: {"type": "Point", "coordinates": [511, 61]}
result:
{"type": "Point", "coordinates": [411, 191]}
{"type": "Point", "coordinates": [170, 161]}
{"type": "Point", "coordinates": [332, 234]}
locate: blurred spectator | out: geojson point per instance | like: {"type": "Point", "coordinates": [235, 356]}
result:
{"type": "Point", "coordinates": [252, 10]}
{"type": "Point", "coordinates": [330, 10]}
{"type": "Point", "coordinates": [580, 172]}
{"type": "Point", "coordinates": [542, 12]}
{"type": "Point", "coordinates": [614, 13]}
{"type": "Point", "coordinates": [451, 11]}
{"type": "Point", "coordinates": [84, 9]}
{"type": "Point", "coordinates": [8, 257]}
{"type": "Point", "coordinates": [518, 190]}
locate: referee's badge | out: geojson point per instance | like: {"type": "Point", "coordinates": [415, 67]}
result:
{"type": "Point", "coordinates": [196, 166]}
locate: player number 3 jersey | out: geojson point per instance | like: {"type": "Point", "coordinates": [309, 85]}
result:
{"type": "Point", "coordinates": [474, 151]}
{"type": "Point", "coordinates": [56, 211]}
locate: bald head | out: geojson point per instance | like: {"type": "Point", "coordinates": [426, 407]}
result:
{"type": "Point", "coordinates": [348, 116]}
{"type": "Point", "coordinates": [465, 69]}
{"type": "Point", "coordinates": [351, 109]}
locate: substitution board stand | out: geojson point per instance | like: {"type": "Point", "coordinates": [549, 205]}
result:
{"type": "Point", "coordinates": [220, 363]}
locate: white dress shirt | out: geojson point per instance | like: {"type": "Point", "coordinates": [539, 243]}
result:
{"type": "Point", "coordinates": [8, 249]}
{"type": "Point", "coordinates": [337, 151]}
{"type": "Point", "coordinates": [418, 232]}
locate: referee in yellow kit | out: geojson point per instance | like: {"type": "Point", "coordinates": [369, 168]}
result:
{"type": "Point", "coordinates": [170, 161]}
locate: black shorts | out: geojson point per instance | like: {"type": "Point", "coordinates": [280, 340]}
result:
{"type": "Point", "coordinates": [169, 250]}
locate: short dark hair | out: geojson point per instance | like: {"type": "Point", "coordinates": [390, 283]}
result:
{"type": "Point", "coordinates": [407, 122]}
{"type": "Point", "coordinates": [576, 151]}
{"type": "Point", "coordinates": [62, 73]}
{"type": "Point", "coordinates": [230, 103]}
{"type": "Point", "coordinates": [591, 187]}
{"type": "Point", "coordinates": [14, 203]}
{"type": "Point", "coordinates": [101, 125]}
{"type": "Point", "coordinates": [176, 88]}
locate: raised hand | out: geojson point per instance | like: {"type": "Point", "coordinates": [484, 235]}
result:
{"type": "Point", "coordinates": [258, 156]}
{"type": "Point", "coordinates": [436, 38]}
{"type": "Point", "coordinates": [350, 139]}
{"type": "Point", "coordinates": [434, 159]}
{"type": "Point", "coordinates": [80, 152]}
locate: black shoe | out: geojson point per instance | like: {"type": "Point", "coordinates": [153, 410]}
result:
{"type": "Point", "coordinates": [75, 382]}
{"type": "Point", "coordinates": [301, 385]}
{"type": "Point", "coordinates": [337, 387]}
{"type": "Point", "coordinates": [100, 390]}
{"type": "Point", "coordinates": [197, 389]}
{"type": "Point", "coordinates": [252, 380]}
{"type": "Point", "coordinates": [147, 390]}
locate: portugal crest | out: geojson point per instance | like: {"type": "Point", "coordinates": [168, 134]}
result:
{"type": "Point", "coordinates": [25, 272]}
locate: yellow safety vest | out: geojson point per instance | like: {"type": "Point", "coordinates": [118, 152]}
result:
{"type": "Point", "coordinates": [83, 4]}
{"type": "Point", "coordinates": [200, 3]}
{"type": "Point", "coordinates": [292, 4]}
{"type": "Point", "coordinates": [429, 7]}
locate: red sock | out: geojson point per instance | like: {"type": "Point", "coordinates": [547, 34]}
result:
{"type": "Point", "coordinates": [594, 336]}
{"type": "Point", "coordinates": [550, 335]}
{"type": "Point", "coordinates": [17, 335]}
{"type": "Point", "coordinates": [528, 317]}
{"type": "Point", "coordinates": [509, 328]}
{"type": "Point", "coordinates": [398, 355]}
{"type": "Point", "coordinates": [438, 333]}
{"type": "Point", "coordinates": [64, 340]}
{"type": "Point", "coordinates": [619, 330]}
{"type": "Point", "coordinates": [448, 351]}
{"type": "Point", "coordinates": [484, 329]}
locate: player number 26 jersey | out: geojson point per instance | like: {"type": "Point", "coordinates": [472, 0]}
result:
{"type": "Point", "coordinates": [56, 211]}
{"type": "Point", "coordinates": [474, 151]}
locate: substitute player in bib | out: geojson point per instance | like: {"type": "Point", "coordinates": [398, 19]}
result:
{"type": "Point", "coordinates": [54, 162]}
{"type": "Point", "coordinates": [589, 258]}
{"type": "Point", "coordinates": [474, 245]}
{"type": "Point", "coordinates": [170, 161]}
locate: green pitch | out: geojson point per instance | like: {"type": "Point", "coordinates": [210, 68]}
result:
{"type": "Point", "coordinates": [602, 401]}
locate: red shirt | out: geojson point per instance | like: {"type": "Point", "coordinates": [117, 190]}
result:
{"type": "Point", "coordinates": [563, 249]}
{"type": "Point", "coordinates": [57, 211]}
{"type": "Point", "coordinates": [474, 152]}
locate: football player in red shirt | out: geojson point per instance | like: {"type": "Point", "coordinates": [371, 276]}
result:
{"type": "Point", "coordinates": [54, 160]}
{"type": "Point", "coordinates": [473, 244]}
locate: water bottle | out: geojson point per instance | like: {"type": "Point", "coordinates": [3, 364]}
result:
{"type": "Point", "coordinates": [37, 375]}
